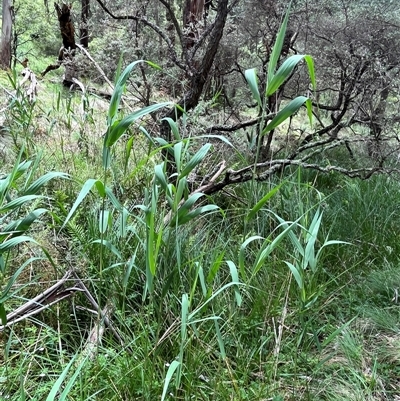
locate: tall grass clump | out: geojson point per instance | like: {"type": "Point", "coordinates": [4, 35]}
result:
{"type": "Point", "coordinates": [191, 296]}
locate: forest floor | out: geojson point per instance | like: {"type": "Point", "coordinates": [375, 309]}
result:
{"type": "Point", "coordinates": [296, 299]}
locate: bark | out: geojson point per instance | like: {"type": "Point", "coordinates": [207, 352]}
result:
{"type": "Point", "coordinates": [84, 30]}
{"type": "Point", "coordinates": [66, 26]}
{"type": "Point", "coordinates": [192, 15]}
{"type": "Point", "coordinates": [192, 96]}
{"type": "Point", "coordinates": [67, 51]}
{"type": "Point", "coordinates": [377, 123]}
{"type": "Point", "coordinates": [6, 35]}
{"type": "Point", "coordinates": [198, 77]}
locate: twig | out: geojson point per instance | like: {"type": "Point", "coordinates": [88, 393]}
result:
{"type": "Point", "coordinates": [101, 71]}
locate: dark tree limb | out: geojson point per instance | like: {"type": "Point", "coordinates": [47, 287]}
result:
{"type": "Point", "coordinates": [192, 96]}
{"type": "Point", "coordinates": [84, 30]}
{"type": "Point", "coordinates": [66, 25]}
{"type": "Point", "coordinates": [244, 124]}
{"type": "Point", "coordinates": [67, 50]}
{"type": "Point", "coordinates": [233, 177]}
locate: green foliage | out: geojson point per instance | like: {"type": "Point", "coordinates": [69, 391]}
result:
{"type": "Point", "coordinates": [241, 295]}
{"type": "Point", "coordinates": [36, 31]}
{"type": "Point", "coordinates": [18, 211]}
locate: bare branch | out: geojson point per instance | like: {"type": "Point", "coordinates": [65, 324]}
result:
{"type": "Point", "coordinates": [151, 25]}
{"type": "Point", "coordinates": [244, 124]}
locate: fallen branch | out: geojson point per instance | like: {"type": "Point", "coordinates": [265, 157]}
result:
{"type": "Point", "coordinates": [55, 294]}
{"type": "Point", "coordinates": [51, 296]}
{"type": "Point", "coordinates": [272, 167]}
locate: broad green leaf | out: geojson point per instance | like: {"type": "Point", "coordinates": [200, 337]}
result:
{"type": "Point", "coordinates": [219, 137]}
{"type": "Point", "coordinates": [242, 254]}
{"type": "Point", "coordinates": [187, 205]}
{"type": "Point", "coordinates": [154, 65]}
{"type": "Point", "coordinates": [251, 77]}
{"type": "Point", "coordinates": [309, 111]}
{"type": "Point", "coordinates": [184, 315]}
{"type": "Point", "coordinates": [106, 157]}
{"type": "Point", "coordinates": [17, 171]}
{"type": "Point", "coordinates": [171, 370]}
{"type": "Point", "coordinates": [215, 268]}
{"type": "Point", "coordinates": [128, 149]}
{"type": "Point", "coordinates": [119, 67]}
{"type": "Point", "coordinates": [202, 281]}
{"type": "Point", "coordinates": [116, 203]}
{"type": "Point", "coordinates": [197, 212]}
{"type": "Point", "coordinates": [219, 339]}
{"type": "Point", "coordinates": [294, 240]}
{"type": "Point", "coordinates": [235, 278]}
{"type": "Point", "coordinates": [182, 188]}
{"type": "Point", "coordinates": [216, 293]}
{"type": "Point", "coordinates": [267, 250]}
{"type": "Point", "coordinates": [129, 266]}
{"type": "Point", "coordinates": [328, 243]}
{"type": "Point", "coordinates": [87, 187]}
{"type": "Point", "coordinates": [310, 64]}
{"type": "Point", "coordinates": [3, 315]}
{"type": "Point", "coordinates": [119, 88]}
{"type": "Point", "coordinates": [123, 227]}
{"type": "Point", "coordinates": [116, 130]}
{"type": "Point", "coordinates": [283, 73]}
{"type": "Point", "coordinates": [41, 181]}
{"type": "Point", "coordinates": [13, 242]}
{"type": "Point", "coordinates": [285, 113]}
{"type": "Point", "coordinates": [161, 178]}
{"type": "Point", "coordinates": [335, 242]}
{"type": "Point", "coordinates": [57, 385]}
{"type": "Point", "coordinates": [174, 128]}
{"type": "Point", "coordinates": [104, 220]}
{"type": "Point", "coordinates": [296, 274]}
{"type": "Point", "coordinates": [333, 335]}
{"type": "Point", "coordinates": [195, 160]}
{"type": "Point", "coordinates": [311, 238]}
{"type": "Point", "coordinates": [256, 208]}
{"type": "Point", "coordinates": [277, 49]}
{"type": "Point", "coordinates": [178, 155]}
{"type": "Point", "coordinates": [18, 202]}
{"type": "Point", "coordinates": [23, 225]}
{"type": "Point", "coordinates": [72, 380]}
{"type": "Point", "coordinates": [184, 321]}
{"type": "Point", "coordinates": [101, 189]}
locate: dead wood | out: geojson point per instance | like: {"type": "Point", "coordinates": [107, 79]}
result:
{"type": "Point", "coordinates": [66, 25]}
{"type": "Point", "coordinates": [67, 50]}
{"type": "Point", "coordinates": [64, 288]}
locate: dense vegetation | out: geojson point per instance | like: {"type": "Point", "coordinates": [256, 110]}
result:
{"type": "Point", "coordinates": [235, 243]}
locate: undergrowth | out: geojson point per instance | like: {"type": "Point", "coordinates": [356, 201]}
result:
{"type": "Point", "coordinates": [281, 290]}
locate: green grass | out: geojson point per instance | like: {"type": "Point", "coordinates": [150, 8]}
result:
{"type": "Point", "coordinates": [237, 297]}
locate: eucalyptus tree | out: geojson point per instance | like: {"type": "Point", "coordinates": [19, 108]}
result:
{"type": "Point", "coordinates": [6, 34]}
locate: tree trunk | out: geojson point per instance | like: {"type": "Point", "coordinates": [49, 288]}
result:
{"type": "Point", "coordinates": [192, 96]}
{"type": "Point", "coordinates": [67, 51]}
{"type": "Point", "coordinates": [6, 35]}
{"type": "Point", "coordinates": [192, 15]}
{"type": "Point", "coordinates": [84, 30]}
